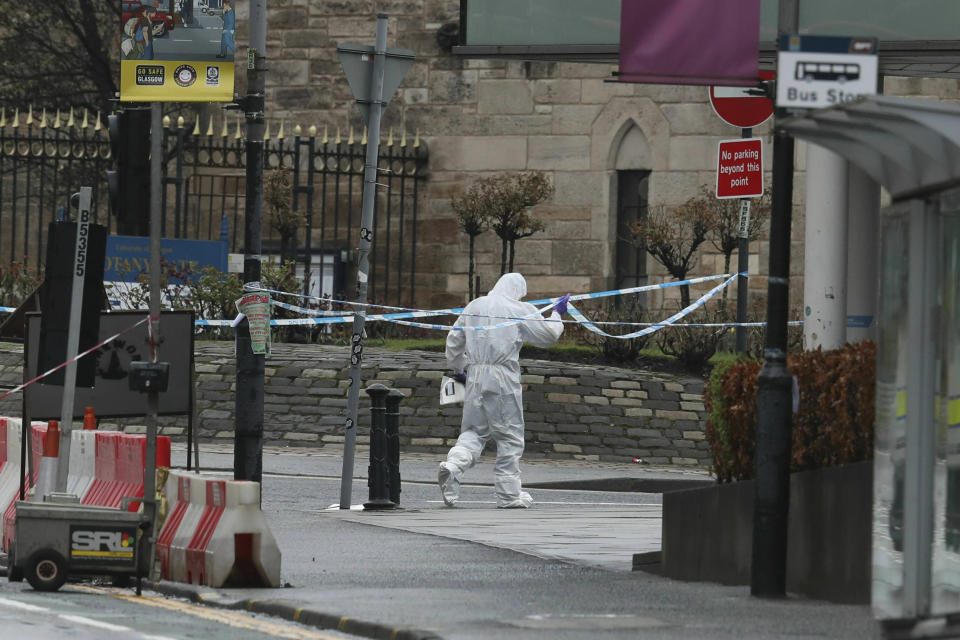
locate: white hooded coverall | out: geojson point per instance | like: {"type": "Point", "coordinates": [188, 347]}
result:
{"type": "Point", "coordinates": [493, 404]}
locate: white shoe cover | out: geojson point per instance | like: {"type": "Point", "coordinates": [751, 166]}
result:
{"type": "Point", "coordinates": [448, 485]}
{"type": "Point", "coordinates": [523, 501]}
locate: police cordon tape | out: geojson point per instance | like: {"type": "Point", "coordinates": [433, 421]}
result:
{"type": "Point", "coordinates": [401, 315]}
{"type": "Point", "coordinates": [404, 315]}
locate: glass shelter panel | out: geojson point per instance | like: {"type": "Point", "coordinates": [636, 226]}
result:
{"type": "Point", "coordinates": [890, 439]}
{"type": "Point", "coordinates": [945, 578]}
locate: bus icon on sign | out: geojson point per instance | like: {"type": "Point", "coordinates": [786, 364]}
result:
{"type": "Point", "coordinates": [829, 71]}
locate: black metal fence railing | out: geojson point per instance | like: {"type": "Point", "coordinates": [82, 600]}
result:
{"type": "Point", "coordinates": [45, 159]}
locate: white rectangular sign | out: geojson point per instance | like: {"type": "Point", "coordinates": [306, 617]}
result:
{"type": "Point", "coordinates": [814, 80]}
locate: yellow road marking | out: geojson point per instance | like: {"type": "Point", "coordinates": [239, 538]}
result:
{"type": "Point", "coordinates": [232, 618]}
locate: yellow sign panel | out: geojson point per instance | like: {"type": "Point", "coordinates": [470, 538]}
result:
{"type": "Point", "coordinates": [176, 81]}
{"type": "Point", "coordinates": [177, 51]}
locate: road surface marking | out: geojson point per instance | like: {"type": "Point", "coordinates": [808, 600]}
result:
{"type": "Point", "coordinates": [14, 604]}
{"type": "Point", "coordinates": [230, 618]}
{"type": "Point", "coordinates": [93, 623]}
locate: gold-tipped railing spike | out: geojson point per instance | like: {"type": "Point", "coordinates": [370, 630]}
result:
{"type": "Point", "coordinates": [297, 130]}
{"type": "Point", "coordinates": [226, 129]}
{"type": "Point", "coordinates": [266, 133]}
{"type": "Point", "coordinates": [86, 119]}
{"type": "Point", "coordinates": [390, 137]}
{"type": "Point", "coordinates": [416, 139]}
{"type": "Point", "coordinates": [97, 126]}
{"type": "Point", "coordinates": [237, 135]}
{"type": "Point", "coordinates": [180, 122]}
{"type": "Point", "coordinates": [210, 128]}
{"type": "Point", "coordinates": [56, 121]}
{"type": "Point", "coordinates": [16, 118]}
{"type": "Point", "coordinates": [29, 120]}
{"type": "Point", "coordinates": [364, 139]}
{"type": "Point", "coordinates": [326, 138]}
{"type": "Point", "coordinates": [3, 117]}
{"type": "Point", "coordinates": [70, 120]}
{"type": "Point", "coordinates": [43, 119]}
{"type": "Point", "coordinates": [350, 139]}
{"type": "Point", "coordinates": [196, 127]}
{"type": "Point", "coordinates": [337, 139]}
{"type": "Point", "coordinates": [403, 139]}
{"type": "Point", "coordinates": [312, 131]}
{"type": "Point", "coordinates": [280, 133]}
{"type": "Point", "coordinates": [166, 122]}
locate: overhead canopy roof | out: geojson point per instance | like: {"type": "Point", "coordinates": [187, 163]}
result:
{"type": "Point", "coordinates": [909, 146]}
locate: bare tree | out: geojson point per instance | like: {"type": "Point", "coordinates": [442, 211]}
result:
{"type": "Point", "coordinates": [60, 53]}
{"type": "Point", "coordinates": [510, 198]}
{"type": "Point", "coordinates": [672, 236]}
{"type": "Point", "coordinates": [472, 218]}
{"type": "Point", "coordinates": [725, 224]}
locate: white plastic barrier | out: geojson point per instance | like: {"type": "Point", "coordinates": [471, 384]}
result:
{"type": "Point", "coordinates": [9, 469]}
{"type": "Point", "coordinates": [83, 462]}
{"type": "Point", "coordinates": [216, 534]}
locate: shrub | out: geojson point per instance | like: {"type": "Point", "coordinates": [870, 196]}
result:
{"type": "Point", "coordinates": [17, 281]}
{"type": "Point", "coordinates": [629, 309]}
{"type": "Point", "coordinates": [833, 424]}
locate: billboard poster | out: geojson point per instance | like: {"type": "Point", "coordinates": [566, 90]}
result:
{"type": "Point", "coordinates": [177, 50]}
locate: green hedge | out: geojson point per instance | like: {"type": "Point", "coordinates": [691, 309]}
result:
{"type": "Point", "coordinates": [833, 424]}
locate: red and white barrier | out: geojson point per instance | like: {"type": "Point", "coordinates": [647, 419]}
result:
{"type": "Point", "coordinates": [83, 462]}
{"type": "Point", "coordinates": [105, 467]}
{"type": "Point", "coordinates": [216, 534]}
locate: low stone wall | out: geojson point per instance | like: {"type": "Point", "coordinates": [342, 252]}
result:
{"type": "Point", "coordinates": [571, 411]}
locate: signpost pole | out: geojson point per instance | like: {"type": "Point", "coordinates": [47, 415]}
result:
{"type": "Point", "coordinates": [772, 486]}
{"type": "Point", "coordinates": [743, 265]}
{"type": "Point", "coordinates": [153, 329]}
{"type": "Point", "coordinates": [363, 252]}
{"type": "Point", "coordinates": [73, 338]}
{"type": "Point", "coordinates": [248, 442]}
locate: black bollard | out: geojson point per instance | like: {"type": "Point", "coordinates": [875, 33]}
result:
{"type": "Point", "coordinates": [393, 443]}
{"type": "Point", "coordinates": [377, 471]}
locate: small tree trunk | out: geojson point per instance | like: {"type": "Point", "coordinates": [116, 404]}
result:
{"type": "Point", "coordinates": [503, 257]}
{"type": "Point", "coordinates": [513, 242]}
{"type": "Point", "coordinates": [470, 274]}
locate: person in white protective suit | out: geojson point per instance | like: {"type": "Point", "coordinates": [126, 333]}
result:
{"type": "Point", "coordinates": [493, 406]}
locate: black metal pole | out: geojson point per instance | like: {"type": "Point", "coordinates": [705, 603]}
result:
{"type": "Point", "coordinates": [743, 265]}
{"type": "Point", "coordinates": [774, 420]}
{"type": "Point", "coordinates": [393, 443]}
{"type": "Point", "coordinates": [377, 474]}
{"type": "Point", "coordinates": [248, 444]}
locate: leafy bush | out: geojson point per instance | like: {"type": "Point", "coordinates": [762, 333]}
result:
{"type": "Point", "coordinates": [834, 422]}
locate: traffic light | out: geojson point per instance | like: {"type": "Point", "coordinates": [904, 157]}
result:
{"type": "Point", "coordinates": [129, 184]}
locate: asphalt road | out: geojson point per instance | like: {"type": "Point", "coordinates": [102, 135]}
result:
{"type": "Point", "coordinates": [87, 612]}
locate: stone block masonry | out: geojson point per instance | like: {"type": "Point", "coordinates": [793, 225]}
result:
{"type": "Point", "coordinates": [571, 411]}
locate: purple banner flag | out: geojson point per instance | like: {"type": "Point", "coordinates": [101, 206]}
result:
{"type": "Point", "coordinates": [700, 42]}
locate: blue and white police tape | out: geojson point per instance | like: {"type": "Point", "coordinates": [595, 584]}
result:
{"type": "Point", "coordinates": [643, 332]}
{"type": "Point", "coordinates": [403, 313]}
{"type": "Point", "coordinates": [7, 309]}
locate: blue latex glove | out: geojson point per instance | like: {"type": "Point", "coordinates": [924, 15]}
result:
{"type": "Point", "coordinates": [561, 307]}
{"type": "Point", "coordinates": [461, 378]}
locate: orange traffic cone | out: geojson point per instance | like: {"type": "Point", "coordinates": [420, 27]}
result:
{"type": "Point", "coordinates": [47, 474]}
{"type": "Point", "coordinates": [89, 420]}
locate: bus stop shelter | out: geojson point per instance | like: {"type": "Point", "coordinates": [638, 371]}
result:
{"type": "Point", "coordinates": [912, 148]}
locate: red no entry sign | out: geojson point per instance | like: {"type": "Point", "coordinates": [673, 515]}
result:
{"type": "Point", "coordinates": [740, 168]}
{"type": "Point", "coordinates": [738, 108]}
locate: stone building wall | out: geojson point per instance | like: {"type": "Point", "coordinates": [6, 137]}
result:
{"type": "Point", "coordinates": [480, 117]}
{"type": "Point", "coordinates": [571, 411]}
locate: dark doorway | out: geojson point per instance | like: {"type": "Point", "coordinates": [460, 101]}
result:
{"type": "Point", "coordinates": [631, 263]}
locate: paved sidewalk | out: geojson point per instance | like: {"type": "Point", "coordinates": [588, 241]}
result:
{"type": "Point", "coordinates": [561, 570]}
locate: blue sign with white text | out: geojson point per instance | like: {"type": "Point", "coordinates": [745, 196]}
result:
{"type": "Point", "coordinates": [129, 256]}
